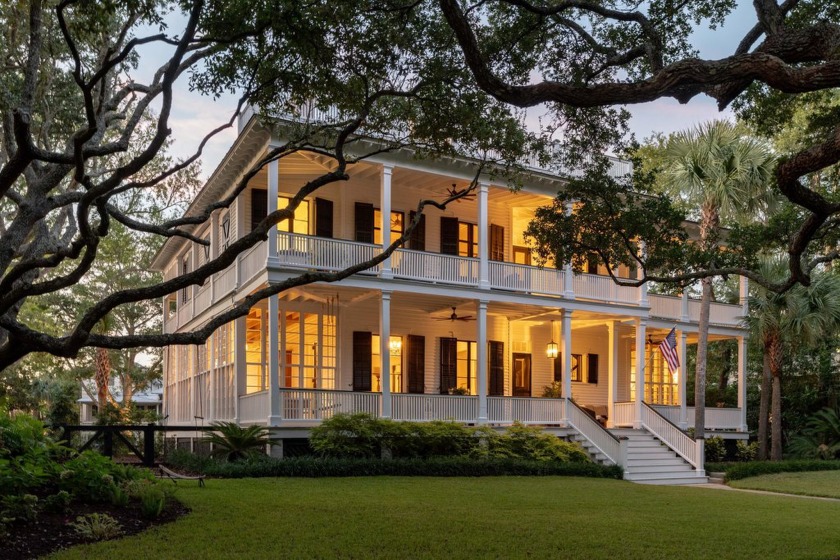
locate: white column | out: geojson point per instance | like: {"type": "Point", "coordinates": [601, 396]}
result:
{"type": "Point", "coordinates": [681, 336]}
{"type": "Point", "coordinates": [612, 370]}
{"type": "Point", "coordinates": [568, 275]}
{"type": "Point", "coordinates": [566, 344]}
{"type": "Point", "coordinates": [211, 378]}
{"type": "Point", "coordinates": [481, 361]}
{"type": "Point", "coordinates": [273, 360]}
{"type": "Point", "coordinates": [643, 289]}
{"type": "Point", "coordinates": [483, 237]}
{"type": "Point", "coordinates": [385, 352]}
{"type": "Point", "coordinates": [385, 220]}
{"type": "Point", "coordinates": [273, 189]}
{"type": "Point", "coordinates": [742, 381]}
{"type": "Point", "coordinates": [744, 294]}
{"type": "Point", "coordinates": [641, 333]}
{"type": "Point", "coordinates": [684, 306]}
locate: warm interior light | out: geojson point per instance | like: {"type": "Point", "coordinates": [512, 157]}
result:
{"type": "Point", "coordinates": [551, 350]}
{"type": "Point", "coordinates": [395, 345]}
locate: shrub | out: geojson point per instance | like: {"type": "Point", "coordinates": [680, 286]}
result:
{"type": "Point", "coordinates": [439, 466]}
{"type": "Point", "coordinates": [533, 443]}
{"type": "Point", "coordinates": [820, 439]}
{"type": "Point", "coordinates": [58, 502]}
{"type": "Point", "coordinates": [90, 477]}
{"type": "Point", "coordinates": [97, 526]}
{"type": "Point", "coordinates": [351, 435]}
{"type": "Point", "coordinates": [23, 507]}
{"type": "Point", "coordinates": [746, 451]}
{"type": "Point", "coordinates": [553, 391]}
{"type": "Point", "coordinates": [233, 442]}
{"type": "Point", "coordinates": [756, 468]}
{"type": "Point", "coordinates": [152, 500]}
{"type": "Point", "coordinates": [715, 449]}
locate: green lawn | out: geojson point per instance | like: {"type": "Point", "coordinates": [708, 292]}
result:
{"type": "Point", "coordinates": [469, 518]}
{"type": "Point", "coordinates": [821, 483]}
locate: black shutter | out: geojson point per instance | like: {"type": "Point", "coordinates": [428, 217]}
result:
{"type": "Point", "coordinates": [592, 264]}
{"type": "Point", "coordinates": [259, 206]}
{"type": "Point", "coordinates": [448, 364]}
{"type": "Point", "coordinates": [592, 368]}
{"type": "Point", "coordinates": [362, 361]}
{"type": "Point", "coordinates": [416, 363]}
{"type": "Point", "coordinates": [448, 235]}
{"type": "Point", "coordinates": [497, 243]}
{"type": "Point", "coordinates": [496, 363]}
{"type": "Point", "coordinates": [364, 222]}
{"type": "Point", "coordinates": [417, 239]}
{"type": "Point", "coordinates": [558, 368]}
{"type": "Point", "coordinates": [323, 217]}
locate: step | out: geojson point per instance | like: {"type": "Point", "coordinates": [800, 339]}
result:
{"type": "Point", "coordinates": [644, 469]}
{"type": "Point", "coordinates": [642, 476]}
{"type": "Point", "coordinates": [655, 462]}
{"type": "Point", "coordinates": [674, 481]}
{"type": "Point", "coordinates": [651, 455]}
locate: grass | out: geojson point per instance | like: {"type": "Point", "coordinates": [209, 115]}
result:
{"type": "Point", "coordinates": [823, 483]}
{"type": "Point", "coordinates": [469, 518]}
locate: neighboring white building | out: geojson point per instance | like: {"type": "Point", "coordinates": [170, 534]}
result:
{"type": "Point", "coordinates": [461, 308]}
{"type": "Point", "coordinates": [150, 398]}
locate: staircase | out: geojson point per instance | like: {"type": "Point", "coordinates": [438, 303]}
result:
{"type": "Point", "coordinates": [649, 461]}
{"type": "Point", "coordinates": [590, 449]}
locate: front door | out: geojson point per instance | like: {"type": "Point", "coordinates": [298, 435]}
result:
{"type": "Point", "coordinates": [522, 375]}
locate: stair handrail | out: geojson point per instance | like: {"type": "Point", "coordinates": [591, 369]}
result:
{"type": "Point", "coordinates": [670, 434]}
{"type": "Point", "coordinates": [602, 439]}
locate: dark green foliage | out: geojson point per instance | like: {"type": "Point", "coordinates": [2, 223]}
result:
{"type": "Point", "coordinates": [233, 442]}
{"type": "Point", "coordinates": [152, 500]}
{"type": "Point", "coordinates": [440, 466]}
{"type": "Point", "coordinates": [820, 439]}
{"type": "Point", "coordinates": [91, 477]}
{"type": "Point", "coordinates": [19, 507]}
{"type": "Point", "coordinates": [737, 471]}
{"type": "Point", "coordinates": [365, 436]}
{"type": "Point", "coordinates": [58, 502]}
{"type": "Point", "coordinates": [715, 449]}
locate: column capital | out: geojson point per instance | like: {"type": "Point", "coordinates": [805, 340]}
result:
{"type": "Point", "coordinates": [387, 169]}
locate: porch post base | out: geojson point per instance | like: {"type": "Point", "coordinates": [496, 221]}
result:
{"type": "Point", "coordinates": [482, 420]}
{"type": "Point", "coordinates": [637, 425]}
{"type": "Point", "coordinates": [275, 420]}
{"type": "Point", "coordinates": [683, 425]}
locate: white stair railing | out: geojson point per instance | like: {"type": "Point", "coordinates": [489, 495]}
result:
{"type": "Point", "coordinates": [597, 435]}
{"type": "Point", "coordinates": [669, 434]}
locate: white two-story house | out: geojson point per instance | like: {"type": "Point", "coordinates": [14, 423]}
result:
{"type": "Point", "coordinates": [458, 324]}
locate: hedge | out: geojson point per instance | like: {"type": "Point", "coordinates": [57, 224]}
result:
{"type": "Point", "coordinates": [313, 467]}
{"type": "Point", "coordinates": [739, 471]}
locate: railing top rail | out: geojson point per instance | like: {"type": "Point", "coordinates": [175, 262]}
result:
{"type": "Point", "coordinates": [288, 389]}
{"type": "Point", "coordinates": [649, 407]}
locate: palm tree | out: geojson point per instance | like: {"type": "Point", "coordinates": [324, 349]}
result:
{"type": "Point", "coordinates": [725, 174]}
{"type": "Point", "coordinates": [798, 318]}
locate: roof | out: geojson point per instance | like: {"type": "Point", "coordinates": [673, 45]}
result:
{"type": "Point", "coordinates": [153, 394]}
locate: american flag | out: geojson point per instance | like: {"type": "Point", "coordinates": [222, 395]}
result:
{"type": "Point", "coordinates": [668, 347]}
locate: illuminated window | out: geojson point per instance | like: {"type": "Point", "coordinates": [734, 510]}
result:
{"type": "Point", "coordinates": [467, 356]}
{"type": "Point", "coordinates": [661, 385]}
{"type": "Point", "coordinates": [395, 345]}
{"type": "Point", "coordinates": [255, 358]}
{"type": "Point", "coordinates": [397, 225]}
{"type": "Point", "coordinates": [467, 239]}
{"type": "Point", "coordinates": [309, 360]}
{"type": "Point", "coordinates": [577, 367]}
{"type": "Point", "coordinates": [300, 222]}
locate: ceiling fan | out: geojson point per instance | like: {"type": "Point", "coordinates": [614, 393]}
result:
{"type": "Point", "coordinates": [455, 191]}
{"type": "Point", "coordinates": [454, 317]}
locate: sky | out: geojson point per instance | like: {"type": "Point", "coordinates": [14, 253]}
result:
{"type": "Point", "coordinates": [194, 115]}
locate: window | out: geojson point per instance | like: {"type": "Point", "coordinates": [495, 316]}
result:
{"type": "Point", "coordinates": [255, 358]}
{"type": "Point", "coordinates": [225, 231]}
{"type": "Point", "coordinates": [186, 268]}
{"type": "Point", "coordinates": [396, 363]}
{"type": "Point", "coordinates": [397, 226]}
{"type": "Point", "coordinates": [577, 367]}
{"type": "Point", "coordinates": [300, 222]}
{"type": "Point", "coordinates": [521, 255]}
{"type": "Point", "coordinates": [661, 386]}
{"type": "Point", "coordinates": [467, 239]}
{"type": "Point", "coordinates": [309, 359]}
{"type": "Point", "coordinates": [467, 353]}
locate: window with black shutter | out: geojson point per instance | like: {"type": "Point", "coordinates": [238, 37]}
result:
{"type": "Point", "coordinates": [323, 217]}
{"type": "Point", "coordinates": [448, 364]}
{"type": "Point", "coordinates": [558, 369]}
{"type": "Point", "coordinates": [364, 222]}
{"type": "Point", "coordinates": [448, 235]}
{"type": "Point", "coordinates": [417, 239]}
{"type": "Point", "coordinates": [362, 359]}
{"type": "Point", "coordinates": [416, 363]}
{"type": "Point", "coordinates": [497, 243]}
{"type": "Point", "coordinates": [592, 368]}
{"type": "Point", "coordinates": [259, 206]}
{"type": "Point", "coordinates": [496, 366]}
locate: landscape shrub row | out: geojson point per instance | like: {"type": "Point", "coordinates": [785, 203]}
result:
{"type": "Point", "coordinates": [366, 436]}
{"type": "Point", "coordinates": [315, 467]}
{"type": "Point", "coordinates": [739, 471]}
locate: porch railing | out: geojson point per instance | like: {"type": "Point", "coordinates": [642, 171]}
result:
{"type": "Point", "coordinates": [506, 410]}
{"type": "Point", "coordinates": [524, 278]}
{"type": "Point", "coordinates": [319, 404]}
{"type": "Point", "coordinates": [253, 262]}
{"type": "Point", "coordinates": [624, 414]}
{"type": "Point", "coordinates": [597, 435]}
{"type": "Point", "coordinates": [304, 251]}
{"type": "Point", "coordinates": [670, 435]}
{"type": "Point", "coordinates": [253, 408]}
{"type": "Point", "coordinates": [434, 267]}
{"type": "Point", "coordinates": [716, 418]}
{"type": "Point", "coordinates": [460, 408]}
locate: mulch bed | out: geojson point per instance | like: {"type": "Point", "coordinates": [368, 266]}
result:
{"type": "Point", "coordinates": [52, 532]}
